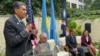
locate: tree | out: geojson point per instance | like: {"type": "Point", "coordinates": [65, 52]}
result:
{"type": "Point", "coordinates": [36, 5]}
{"type": "Point", "coordinates": [88, 4]}
{"type": "Point", "coordinates": [96, 5]}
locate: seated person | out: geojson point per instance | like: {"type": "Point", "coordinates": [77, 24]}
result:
{"type": "Point", "coordinates": [43, 47]}
{"type": "Point", "coordinates": [72, 44]}
{"type": "Point", "coordinates": [86, 43]}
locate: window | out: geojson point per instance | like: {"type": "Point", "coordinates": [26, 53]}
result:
{"type": "Point", "coordinates": [81, 0]}
{"type": "Point", "coordinates": [73, 5]}
{"type": "Point", "coordinates": [81, 7]}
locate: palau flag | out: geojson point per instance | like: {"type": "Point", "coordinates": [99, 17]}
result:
{"type": "Point", "coordinates": [53, 33]}
{"type": "Point", "coordinates": [30, 20]}
{"type": "Point", "coordinates": [64, 20]}
{"type": "Point", "coordinates": [44, 26]}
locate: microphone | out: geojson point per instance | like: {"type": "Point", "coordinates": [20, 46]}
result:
{"type": "Point", "coordinates": [27, 20]}
{"type": "Point", "coordinates": [30, 35]}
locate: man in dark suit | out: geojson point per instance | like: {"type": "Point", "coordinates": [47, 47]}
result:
{"type": "Point", "coordinates": [63, 28]}
{"type": "Point", "coordinates": [72, 44]}
{"type": "Point", "coordinates": [16, 34]}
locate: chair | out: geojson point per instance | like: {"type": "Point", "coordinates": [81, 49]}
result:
{"type": "Point", "coordinates": [61, 53]}
{"type": "Point", "coordinates": [51, 43]}
{"type": "Point", "coordinates": [78, 40]}
{"type": "Point", "coordinates": [62, 40]}
{"type": "Point", "coordinates": [63, 44]}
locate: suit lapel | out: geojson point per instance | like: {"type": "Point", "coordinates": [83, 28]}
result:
{"type": "Point", "coordinates": [21, 24]}
{"type": "Point", "coordinates": [14, 19]}
{"type": "Point", "coordinates": [72, 38]}
{"type": "Point", "coordinates": [18, 24]}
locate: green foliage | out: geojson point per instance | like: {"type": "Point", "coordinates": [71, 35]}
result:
{"type": "Point", "coordinates": [97, 45]}
{"type": "Point", "coordinates": [92, 4]}
{"type": "Point", "coordinates": [7, 6]}
{"type": "Point", "coordinates": [95, 12]}
{"type": "Point", "coordinates": [88, 3]}
{"type": "Point", "coordinates": [36, 6]}
{"type": "Point", "coordinates": [79, 30]}
{"type": "Point", "coordinates": [57, 7]}
{"type": "Point", "coordinates": [91, 13]}
{"type": "Point", "coordinates": [98, 53]}
{"type": "Point", "coordinates": [83, 14]}
{"type": "Point", "coordinates": [96, 5]}
{"type": "Point", "coordinates": [73, 25]}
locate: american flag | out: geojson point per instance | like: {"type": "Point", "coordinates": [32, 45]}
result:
{"type": "Point", "coordinates": [64, 16]}
{"type": "Point", "coordinates": [31, 20]}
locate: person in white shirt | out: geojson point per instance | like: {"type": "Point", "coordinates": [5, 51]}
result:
{"type": "Point", "coordinates": [43, 47]}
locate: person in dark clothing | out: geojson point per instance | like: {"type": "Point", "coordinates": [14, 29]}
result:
{"type": "Point", "coordinates": [72, 44]}
{"type": "Point", "coordinates": [16, 34]}
{"type": "Point", "coordinates": [63, 28]}
{"type": "Point", "coordinates": [86, 43]}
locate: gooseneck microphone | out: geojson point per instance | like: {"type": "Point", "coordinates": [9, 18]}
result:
{"type": "Point", "coordinates": [27, 51]}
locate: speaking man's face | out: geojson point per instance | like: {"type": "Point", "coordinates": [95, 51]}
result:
{"type": "Point", "coordinates": [21, 12]}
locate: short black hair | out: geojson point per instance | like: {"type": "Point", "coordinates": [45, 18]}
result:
{"type": "Point", "coordinates": [17, 4]}
{"type": "Point", "coordinates": [71, 30]}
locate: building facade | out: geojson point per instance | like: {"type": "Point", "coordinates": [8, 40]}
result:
{"type": "Point", "coordinates": [76, 4]}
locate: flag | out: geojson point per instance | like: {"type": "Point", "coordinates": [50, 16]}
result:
{"type": "Point", "coordinates": [31, 20]}
{"type": "Point", "coordinates": [64, 14]}
{"type": "Point", "coordinates": [44, 26]}
{"type": "Point", "coordinates": [64, 17]}
{"type": "Point", "coordinates": [53, 33]}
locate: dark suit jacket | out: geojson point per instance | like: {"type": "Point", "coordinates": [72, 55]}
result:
{"type": "Point", "coordinates": [63, 27]}
{"type": "Point", "coordinates": [15, 38]}
{"type": "Point", "coordinates": [84, 42]}
{"type": "Point", "coordinates": [70, 42]}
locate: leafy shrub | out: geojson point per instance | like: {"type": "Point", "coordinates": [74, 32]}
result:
{"type": "Point", "coordinates": [79, 30]}
{"type": "Point", "coordinates": [83, 14]}
{"type": "Point", "coordinates": [72, 25]}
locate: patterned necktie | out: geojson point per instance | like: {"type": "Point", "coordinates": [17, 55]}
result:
{"type": "Point", "coordinates": [22, 24]}
{"type": "Point", "coordinates": [73, 38]}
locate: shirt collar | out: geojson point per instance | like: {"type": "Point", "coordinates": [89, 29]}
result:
{"type": "Point", "coordinates": [19, 20]}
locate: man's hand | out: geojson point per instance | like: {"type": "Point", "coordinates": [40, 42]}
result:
{"type": "Point", "coordinates": [28, 27]}
{"type": "Point", "coordinates": [35, 31]}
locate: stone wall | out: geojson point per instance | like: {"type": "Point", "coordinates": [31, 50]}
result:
{"type": "Point", "coordinates": [95, 28]}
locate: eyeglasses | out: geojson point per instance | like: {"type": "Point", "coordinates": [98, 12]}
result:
{"type": "Point", "coordinates": [44, 38]}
